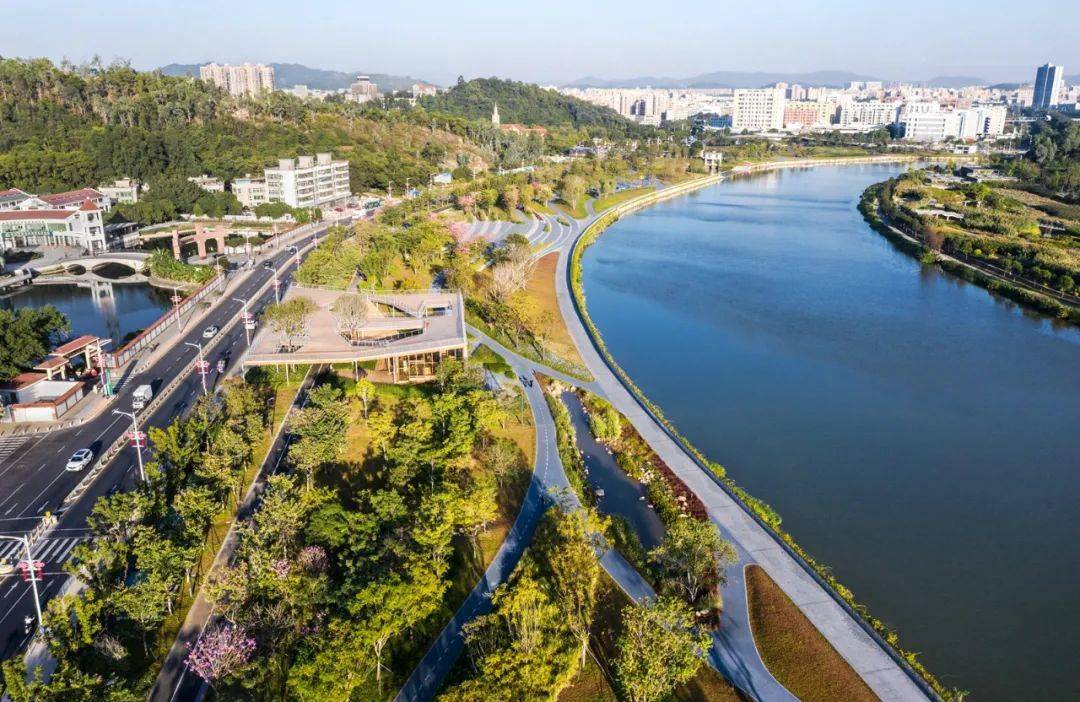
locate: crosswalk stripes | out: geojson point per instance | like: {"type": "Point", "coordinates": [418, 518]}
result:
{"type": "Point", "coordinates": [51, 551]}
{"type": "Point", "coordinates": [9, 444]}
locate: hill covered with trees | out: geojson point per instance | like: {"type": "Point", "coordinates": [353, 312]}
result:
{"type": "Point", "coordinates": [72, 126]}
{"type": "Point", "coordinates": [525, 103]}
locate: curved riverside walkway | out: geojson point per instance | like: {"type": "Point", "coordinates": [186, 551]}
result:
{"type": "Point", "coordinates": [888, 680]}
{"type": "Point", "coordinates": [733, 652]}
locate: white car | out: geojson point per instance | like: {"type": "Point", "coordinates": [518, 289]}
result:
{"type": "Point", "coordinates": [209, 332]}
{"type": "Point", "coordinates": [79, 460]}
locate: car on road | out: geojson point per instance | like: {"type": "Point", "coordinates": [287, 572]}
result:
{"type": "Point", "coordinates": [79, 460]}
{"type": "Point", "coordinates": [291, 248]}
{"type": "Point", "coordinates": [268, 265]}
{"type": "Point", "coordinates": [210, 332]}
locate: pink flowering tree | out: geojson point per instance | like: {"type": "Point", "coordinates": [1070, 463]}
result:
{"type": "Point", "coordinates": [220, 652]}
{"type": "Point", "coordinates": [460, 231]}
{"type": "Point", "coordinates": [313, 559]}
{"type": "Point", "coordinates": [467, 202]}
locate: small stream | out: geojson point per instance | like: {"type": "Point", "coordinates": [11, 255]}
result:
{"type": "Point", "coordinates": [622, 495]}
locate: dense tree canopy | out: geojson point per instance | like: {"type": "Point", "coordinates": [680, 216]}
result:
{"type": "Point", "coordinates": [525, 103]}
{"type": "Point", "coordinates": [26, 335]}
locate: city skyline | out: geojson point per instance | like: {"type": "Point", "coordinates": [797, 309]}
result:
{"type": "Point", "coordinates": [438, 43]}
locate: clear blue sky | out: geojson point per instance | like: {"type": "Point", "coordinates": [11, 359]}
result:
{"type": "Point", "coordinates": [560, 40]}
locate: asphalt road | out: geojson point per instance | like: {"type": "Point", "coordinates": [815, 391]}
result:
{"type": "Point", "coordinates": [32, 476]}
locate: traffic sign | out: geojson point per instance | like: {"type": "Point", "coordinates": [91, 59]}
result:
{"type": "Point", "coordinates": [38, 569]}
{"type": "Point", "coordinates": [202, 367]}
{"type": "Point", "coordinates": [137, 438]}
{"type": "Point", "coordinates": [176, 299]}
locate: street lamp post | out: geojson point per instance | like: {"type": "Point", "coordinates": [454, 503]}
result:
{"type": "Point", "coordinates": [277, 289]}
{"type": "Point", "coordinates": [25, 541]}
{"type": "Point", "coordinates": [176, 306]}
{"type": "Point", "coordinates": [246, 318]}
{"type": "Point", "coordinates": [137, 440]}
{"type": "Point", "coordinates": [201, 366]}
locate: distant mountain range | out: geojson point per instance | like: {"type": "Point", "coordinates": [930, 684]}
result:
{"type": "Point", "coordinates": [725, 79]}
{"type": "Point", "coordinates": [286, 75]}
{"type": "Point", "coordinates": [758, 79]}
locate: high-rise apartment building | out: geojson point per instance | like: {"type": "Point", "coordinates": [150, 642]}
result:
{"type": "Point", "coordinates": [758, 110]}
{"type": "Point", "coordinates": [1048, 80]}
{"type": "Point", "coordinates": [363, 90]}
{"type": "Point", "coordinates": [308, 181]}
{"type": "Point", "coordinates": [246, 79]}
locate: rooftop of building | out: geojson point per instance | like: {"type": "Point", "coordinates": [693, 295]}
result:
{"type": "Point", "coordinates": [398, 323]}
{"type": "Point", "coordinates": [10, 215]}
{"type": "Point", "coordinates": [71, 197]}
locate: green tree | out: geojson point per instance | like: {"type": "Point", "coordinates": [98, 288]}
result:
{"type": "Point", "coordinates": [364, 390]}
{"type": "Point", "coordinates": [658, 649]}
{"type": "Point", "coordinates": [289, 319]}
{"type": "Point", "coordinates": [26, 335]}
{"type": "Point", "coordinates": [320, 430]}
{"type": "Point", "coordinates": [693, 557]}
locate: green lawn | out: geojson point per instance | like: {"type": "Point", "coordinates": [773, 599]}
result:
{"type": "Point", "coordinates": [794, 650]}
{"type": "Point", "coordinates": [618, 198]}
{"type": "Point", "coordinates": [576, 210]}
{"type": "Point", "coordinates": [492, 361]}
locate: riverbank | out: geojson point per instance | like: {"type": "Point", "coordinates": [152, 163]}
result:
{"type": "Point", "coordinates": [908, 240]}
{"type": "Point", "coordinates": [758, 511]}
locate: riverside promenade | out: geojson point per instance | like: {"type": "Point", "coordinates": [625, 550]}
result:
{"type": "Point", "coordinates": [885, 676]}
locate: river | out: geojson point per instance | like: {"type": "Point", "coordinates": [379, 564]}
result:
{"type": "Point", "coordinates": [917, 435]}
{"type": "Point", "coordinates": [108, 310]}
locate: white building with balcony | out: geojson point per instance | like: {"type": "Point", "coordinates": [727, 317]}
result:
{"type": "Point", "coordinates": [308, 181]}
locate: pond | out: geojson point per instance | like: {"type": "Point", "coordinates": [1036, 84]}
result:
{"type": "Point", "coordinates": [108, 310]}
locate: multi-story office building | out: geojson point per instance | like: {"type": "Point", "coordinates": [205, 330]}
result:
{"type": "Point", "coordinates": [758, 110]}
{"type": "Point", "coordinates": [308, 181]}
{"type": "Point", "coordinates": [1048, 80]}
{"type": "Point", "coordinates": [363, 90]}
{"type": "Point", "coordinates": [246, 79]}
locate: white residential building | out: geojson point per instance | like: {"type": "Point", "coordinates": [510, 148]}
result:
{"type": "Point", "coordinates": [73, 218]}
{"type": "Point", "coordinates": [308, 181]}
{"type": "Point", "coordinates": [868, 113]}
{"type": "Point", "coordinates": [123, 191]}
{"type": "Point", "coordinates": [926, 121]}
{"type": "Point", "coordinates": [208, 183]}
{"type": "Point", "coordinates": [758, 110]}
{"type": "Point", "coordinates": [246, 79]}
{"type": "Point", "coordinates": [251, 192]}
{"type": "Point", "coordinates": [980, 121]}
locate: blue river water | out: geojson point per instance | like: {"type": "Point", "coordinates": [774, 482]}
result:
{"type": "Point", "coordinates": [109, 310]}
{"type": "Point", "coordinates": [918, 435]}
